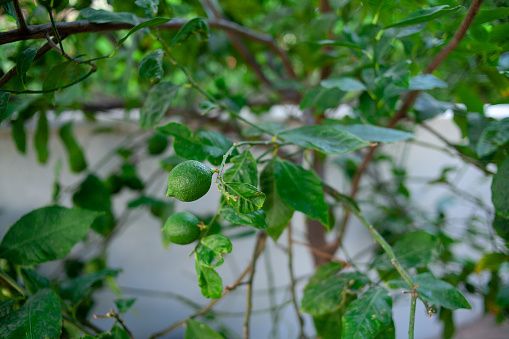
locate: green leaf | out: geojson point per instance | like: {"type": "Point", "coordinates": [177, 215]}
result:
{"type": "Point", "coordinates": [325, 296]}
{"type": "Point", "coordinates": [425, 81]}
{"type": "Point", "coordinates": [470, 99]}
{"type": "Point", "coordinates": [337, 43]}
{"type": "Point", "coordinates": [324, 272]}
{"type": "Point", "coordinates": [39, 317]}
{"type": "Point", "coordinates": [78, 288]}
{"type": "Point", "coordinates": [41, 138]}
{"type": "Point", "coordinates": [367, 316]}
{"type": "Point", "coordinates": [322, 98]}
{"type": "Point", "coordinates": [196, 26]}
{"type": "Point", "coordinates": [301, 189]}
{"type": "Point", "coordinates": [196, 330]}
{"type": "Point", "coordinates": [100, 16]}
{"type": "Point", "coordinates": [157, 103]}
{"type": "Point", "coordinates": [416, 249]}
{"type": "Point", "coordinates": [77, 160]}
{"type": "Point", "coordinates": [206, 106]}
{"type": "Point", "coordinates": [93, 194]}
{"type": "Point", "coordinates": [145, 24]}
{"type": "Point", "coordinates": [487, 15]}
{"type": "Point", "coordinates": [328, 326]}
{"type": "Point", "coordinates": [150, 67]}
{"type": "Point", "coordinates": [4, 100]}
{"type": "Point", "coordinates": [23, 62]}
{"type": "Point", "coordinates": [424, 15]}
{"type": "Point", "coordinates": [150, 6]}
{"type": "Point", "coordinates": [428, 107]}
{"type": "Point", "coordinates": [5, 307]}
{"type": "Point", "coordinates": [33, 281]}
{"type": "Point", "coordinates": [343, 83]}
{"type": "Point", "coordinates": [272, 127]}
{"type": "Point", "coordinates": [244, 169]}
{"type": "Point", "coordinates": [19, 135]}
{"type": "Point", "coordinates": [209, 281]}
{"type": "Point", "coordinates": [245, 198]}
{"type": "Point", "coordinates": [51, 80]}
{"type": "Point", "coordinates": [501, 226]}
{"type": "Point", "coordinates": [210, 250]}
{"type": "Point", "coordinates": [503, 296]}
{"type": "Point", "coordinates": [123, 305]}
{"type": "Point", "coordinates": [45, 234]}
{"type": "Point", "coordinates": [255, 219]}
{"type": "Point", "coordinates": [116, 332]}
{"type": "Point", "coordinates": [325, 139]}
{"type": "Point", "coordinates": [435, 291]}
{"type": "Point", "coordinates": [185, 144]}
{"type": "Point", "coordinates": [491, 261]}
{"type": "Point", "coordinates": [215, 145]}
{"type": "Point", "coordinates": [492, 137]}
{"type": "Point", "coordinates": [374, 133]}
{"type": "Point", "coordinates": [500, 190]}
{"type": "Point", "coordinates": [278, 212]}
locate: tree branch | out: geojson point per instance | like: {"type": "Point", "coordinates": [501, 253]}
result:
{"type": "Point", "coordinates": [249, 294]}
{"type": "Point", "coordinates": [23, 28]}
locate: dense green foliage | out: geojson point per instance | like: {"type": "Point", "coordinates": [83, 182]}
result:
{"type": "Point", "coordinates": [204, 74]}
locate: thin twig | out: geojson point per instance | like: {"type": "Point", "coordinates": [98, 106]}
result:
{"type": "Point", "coordinates": [113, 314]}
{"type": "Point", "coordinates": [23, 28]}
{"type": "Point", "coordinates": [411, 327]}
{"type": "Point", "coordinates": [249, 293]}
{"type": "Point", "coordinates": [292, 283]}
{"type": "Point", "coordinates": [321, 253]}
{"type": "Point", "coordinates": [260, 244]}
{"type": "Point", "coordinates": [4, 276]}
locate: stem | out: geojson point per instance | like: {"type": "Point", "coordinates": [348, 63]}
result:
{"type": "Point", "coordinates": [23, 28]}
{"type": "Point", "coordinates": [76, 324]}
{"type": "Point", "coordinates": [55, 29]}
{"type": "Point", "coordinates": [249, 294]}
{"type": "Point", "coordinates": [292, 283]}
{"type": "Point", "coordinates": [13, 283]}
{"type": "Point", "coordinates": [412, 315]}
{"type": "Point", "coordinates": [260, 244]}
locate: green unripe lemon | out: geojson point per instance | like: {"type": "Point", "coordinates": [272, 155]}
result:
{"type": "Point", "coordinates": [189, 181]}
{"type": "Point", "coordinates": [182, 228]}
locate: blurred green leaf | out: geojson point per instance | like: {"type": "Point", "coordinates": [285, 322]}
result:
{"type": "Point", "coordinates": [123, 305]}
{"type": "Point", "coordinates": [19, 135]}
{"type": "Point", "coordinates": [157, 103]}
{"type": "Point", "coordinates": [78, 288]}
{"type": "Point", "coordinates": [41, 138]}
{"type": "Point", "coordinates": [325, 295]}
{"type": "Point", "coordinates": [344, 84]}
{"type": "Point", "coordinates": [23, 62]}
{"type": "Point", "coordinates": [215, 145]}
{"type": "Point", "coordinates": [425, 81]}
{"type": "Point", "coordinates": [194, 26]}
{"type": "Point", "coordinates": [77, 160]}
{"type": "Point", "coordinates": [195, 329]}
{"type": "Point", "coordinates": [101, 16]}
{"type": "Point", "coordinates": [374, 133]}
{"type": "Point", "coordinates": [424, 15]}
{"type": "Point", "coordinates": [496, 134]}
{"type": "Point", "coordinates": [325, 139]}
{"type": "Point", "coordinates": [500, 189]}
{"type": "Point", "coordinates": [150, 67]}
{"type": "Point", "coordinates": [4, 101]}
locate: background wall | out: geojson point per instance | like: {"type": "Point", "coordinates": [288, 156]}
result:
{"type": "Point", "coordinates": [154, 275]}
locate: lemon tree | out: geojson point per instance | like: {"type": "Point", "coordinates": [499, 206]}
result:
{"type": "Point", "coordinates": [182, 228]}
{"type": "Point", "coordinates": [189, 181]}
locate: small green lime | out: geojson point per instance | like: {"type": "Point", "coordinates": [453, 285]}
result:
{"type": "Point", "coordinates": [182, 228]}
{"type": "Point", "coordinates": [189, 181]}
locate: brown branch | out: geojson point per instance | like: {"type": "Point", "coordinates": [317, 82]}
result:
{"type": "Point", "coordinates": [249, 294]}
{"type": "Point", "coordinates": [40, 52]}
{"type": "Point", "coordinates": [410, 99]}
{"type": "Point", "coordinates": [260, 244]}
{"type": "Point", "coordinates": [23, 28]}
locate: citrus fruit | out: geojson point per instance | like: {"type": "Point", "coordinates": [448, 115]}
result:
{"type": "Point", "coordinates": [182, 228]}
{"type": "Point", "coordinates": [189, 181]}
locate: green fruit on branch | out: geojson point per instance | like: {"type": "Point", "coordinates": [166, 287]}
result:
{"type": "Point", "coordinates": [189, 181]}
{"type": "Point", "coordinates": [182, 228]}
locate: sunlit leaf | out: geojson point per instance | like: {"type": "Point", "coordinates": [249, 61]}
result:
{"type": "Point", "coordinates": [245, 198]}
{"type": "Point", "coordinates": [210, 250]}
